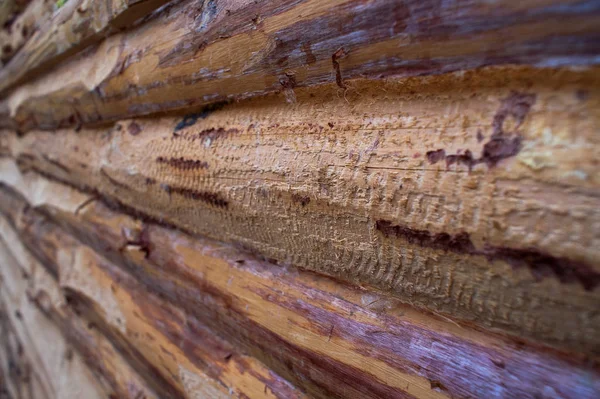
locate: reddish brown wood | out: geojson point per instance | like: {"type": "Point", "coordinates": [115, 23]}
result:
{"type": "Point", "coordinates": [185, 57]}
{"type": "Point", "coordinates": [186, 272]}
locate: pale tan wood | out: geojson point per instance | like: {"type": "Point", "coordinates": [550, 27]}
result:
{"type": "Point", "coordinates": [50, 368]}
{"type": "Point", "coordinates": [322, 183]}
{"type": "Point", "coordinates": [347, 330]}
{"type": "Point", "coordinates": [198, 53]}
{"type": "Point", "coordinates": [129, 315]}
{"type": "Point", "coordinates": [118, 377]}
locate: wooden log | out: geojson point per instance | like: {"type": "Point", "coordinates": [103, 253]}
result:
{"type": "Point", "coordinates": [333, 340]}
{"type": "Point", "coordinates": [76, 25]}
{"type": "Point", "coordinates": [34, 370]}
{"type": "Point", "coordinates": [114, 375]}
{"type": "Point", "coordinates": [13, 37]}
{"type": "Point", "coordinates": [29, 283]}
{"type": "Point", "coordinates": [463, 194]}
{"type": "Point", "coordinates": [191, 362]}
{"type": "Point", "coordinates": [192, 55]}
{"type": "Point", "coordinates": [182, 353]}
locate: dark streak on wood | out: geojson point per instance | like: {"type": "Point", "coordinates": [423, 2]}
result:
{"type": "Point", "coordinates": [214, 199]}
{"type": "Point", "coordinates": [339, 54]}
{"type": "Point", "coordinates": [222, 311]}
{"type": "Point", "coordinates": [182, 163]}
{"type": "Point", "coordinates": [353, 27]}
{"type": "Point", "coordinates": [502, 144]}
{"type": "Point", "coordinates": [541, 265]}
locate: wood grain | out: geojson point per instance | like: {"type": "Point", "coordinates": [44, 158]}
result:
{"type": "Point", "coordinates": [462, 194]}
{"type": "Point", "coordinates": [85, 343]}
{"type": "Point", "coordinates": [39, 361]}
{"type": "Point", "coordinates": [328, 338]}
{"type": "Point", "coordinates": [177, 356]}
{"type": "Point", "coordinates": [194, 54]}
{"type": "Point", "coordinates": [46, 35]}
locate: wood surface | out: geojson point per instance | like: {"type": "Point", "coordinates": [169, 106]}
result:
{"type": "Point", "coordinates": [299, 199]}
{"type": "Point", "coordinates": [14, 36]}
{"type": "Point", "coordinates": [197, 53]}
{"type": "Point", "coordinates": [36, 359]}
{"type": "Point", "coordinates": [331, 339]}
{"type": "Point", "coordinates": [475, 197]}
{"type": "Point", "coordinates": [46, 35]}
{"type": "Point", "coordinates": [150, 343]}
{"type": "Point", "coordinates": [73, 340]}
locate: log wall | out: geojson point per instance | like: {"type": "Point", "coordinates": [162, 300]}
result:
{"type": "Point", "coordinates": [300, 199]}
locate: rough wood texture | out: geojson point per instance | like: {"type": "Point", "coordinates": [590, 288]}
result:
{"type": "Point", "coordinates": [40, 362]}
{"type": "Point", "coordinates": [197, 53]}
{"type": "Point", "coordinates": [76, 25]}
{"type": "Point", "coordinates": [178, 356]}
{"type": "Point", "coordinates": [328, 338]}
{"type": "Point", "coordinates": [42, 297]}
{"type": "Point", "coordinates": [300, 198]}
{"type": "Point", "coordinates": [14, 36]}
{"type": "Point", "coordinates": [475, 196]}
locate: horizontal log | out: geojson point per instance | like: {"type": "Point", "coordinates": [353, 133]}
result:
{"type": "Point", "coordinates": [35, 371]}
{"type": "Point", "coordinates": [192, 361]}
{"type": "Point", "coordinates": [192, 55]}
{"type": "Point", "coordinates": [113, 373]}
{"type": "Point", "coordinates": [463, 194]}
{"type": "Point", "coordinates": [13, 37]}
{"type": "Point", "coordinates": [331, 338]}
{"type": "Point", "coordinates": [53, 38]}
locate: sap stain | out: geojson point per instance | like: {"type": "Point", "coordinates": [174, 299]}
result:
{"type": "Point", "coordinates": [480, 136]}
{"type": "Point", "coordinates": [310, 57]}
{"type": "Point", "coordinates": [502, 144]}
{"type": "Point", "coordinates": [460, 243]}
{"type": "Point", "coordinates": [540, 264]}
{"type": "Point", "coordinates": [182, 163]}
{"type": "Point", "coordinates": [191, 119]}
{"type": "Point", "coordinates": [460, 158]}
{"type": "Point", "coordinates": [300, 199]}
{"type": "Point", "coordinates": [339, 54]}
{"type": "Point", "coordinates": [213, 199]}
{"type": "Point", "coordinates": [143, 241]}
{"type": "Point", "coordinates": [544, 265]}
{"type": "Point", "coordinates": [435, 156]}
{"type": "Point", "coordinates": [134, 129]}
